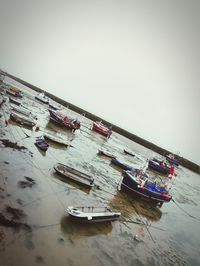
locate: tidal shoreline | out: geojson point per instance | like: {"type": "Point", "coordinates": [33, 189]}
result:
{"type": "Point", "coordinates": [183, 161]}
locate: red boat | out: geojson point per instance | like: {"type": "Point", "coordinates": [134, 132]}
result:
{"type": "Point", "coordinates": [102, 129]}
{"type": "Point", "coordinates": [63, 120]}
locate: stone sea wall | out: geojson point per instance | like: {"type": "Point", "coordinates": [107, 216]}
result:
{"type": "Point", "coordinates": [183, 161]}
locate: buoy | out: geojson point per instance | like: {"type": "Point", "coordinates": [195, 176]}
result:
{"type": "Point", "coordinates": [37, 127]}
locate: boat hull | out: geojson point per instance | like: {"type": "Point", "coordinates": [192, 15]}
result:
{"type": "Point", "coordinates": [22, 120]}
{"type": "Point", "coordinates": [92, 216]}
{"type": "Point", "coordinates": [59, 119]}
{"type": "Point", "coordinates": [133, 187]}
{"type": "Point", "coordinates": [161, 169]}
{"type": "Point", "coordinates": [121, 165]}
{"type": "Point", "coordinates": [14, 101]}
{"type": "Point", "coordinates": [96, 126]}
{"type": "Point", "coordinates": [74, 175]}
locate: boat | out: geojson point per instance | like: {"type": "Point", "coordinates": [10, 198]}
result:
{"type": "Point", "coordinates": [2, 100]}
{"type": "Point", "coordinates": [99, 127]}
{"type": "Point", "coordinates": [172, 160]}
{"type": "Point", "coordinates": [23, 110]}
{"type": "Point", "coordinates": [74, 175]}
{"type": "Point", "coordinates": [142, 186]}
{"type": "Point", "coordinates": [41, 143]}
{"type": "Point", "coordinates": [15, 101]}
{"type": "Point", "coordinates": [23, 120]}
{"type": "Point", "coordinates": [123, 166]}
{"type": "Point", "coordinates": [63, 120]}
{"type": "Point", "coordinates": [92, 214]}
{"type": "Point", "coordinates": [42, 97]}
{"type": "Point", "coordinates": [56, 139]}
{"type": "Point", "coordinates": [129, 152]}
{"type": "Point", "coordinates": [106, 153]}
{"type": "Point", "coordinates": [55, 106]}
{"type": "Point", "coordinates": [14, 92]}
{"type": "Point", "coordinates": [159, 166]}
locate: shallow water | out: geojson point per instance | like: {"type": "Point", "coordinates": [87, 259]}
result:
{"type": "Point", "coordinates": [144, 236]}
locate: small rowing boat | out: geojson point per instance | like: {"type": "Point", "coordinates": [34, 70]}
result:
{"type": "Point", "coordinates": [56, 139]}
{"type": "Point", "coordinates": [23, 120]}
{"type": "Point", "coordinates": [74, 175]}
{"type": "Point", "coordinates": [106, 153]}
{"type": "Point", "coordinates": [41, 143]}
{"type": "Point", "coordinates": [92, 214]}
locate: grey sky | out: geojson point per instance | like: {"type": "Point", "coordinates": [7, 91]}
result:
{"type": "Point", "coordinates": [134, 63]}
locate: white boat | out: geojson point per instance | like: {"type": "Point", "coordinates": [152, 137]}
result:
{"type": "Point", "coordinates": [129, 152]}
{"type": "Point", "coordinates": [106, 153]}
{"type": "Point", "coordinates": [92, 214]}
{"type": "Point", "coordinates": [55, 106]}
{"type": "Point", "coordinates": [56, 139]}
{"type": "Point", "coordinates": [23, 120]}
{"type": "Point", "coordinates": [23, 110]}
{"type": "Point", "coordinates": [42, 97]}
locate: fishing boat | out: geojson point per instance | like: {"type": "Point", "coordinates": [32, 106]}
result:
{"type": "Point", "coordinates": [74, 175]}
{"type": "Point", "coordinates": [63, 120]}
{"type": "Point", "coordinates": [92, 214]}
{"type": "Point", "coordinates": [42, 98]}
{"type": "Point", "coordinates": [99, 127]}
{"type": "Point", "coordinates": [172, 160]}
{"type": "Point", "coordinates": [129, 153]}
{"type": "Point", "coordinates": [122, 165]}
{"type": "Point", "coordinates": [106, 153]}
{"type": "Point", "coordinates": [56, 139]}
{"type": "Point", "coordinates": [23, 120]}
{"type": "Point", "coordinates": [14, 92]}
{"type": "Point", "coordinates": [55, 106]}
{"type": "Point", "coordinates": [15, 101]}
{"type": "Point", "coordinates": [141, 185]}
{"type": "Point", "coordinates": [41, 143]}
{"type": "Point", "coordinates": [159, 166]}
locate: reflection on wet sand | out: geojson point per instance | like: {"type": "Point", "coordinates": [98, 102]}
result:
{"type": "Point", "coordinates": [51, 126]}
{"type": "Point", "coordinates": [132, 206]}
{"type": "Point", "coordinates": [78, 230]}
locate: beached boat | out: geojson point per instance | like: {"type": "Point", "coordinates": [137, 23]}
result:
{"type": "Point", "coordinates": [2, 100]}
{"type": "Point", "coordinates": [172, 160]}
{"type": "Point", "coordinates": [99, 127]}
{"type": "Point", "coordinates": [106, 153]}
{"type": "Point", "coordinates": [15, 101]}
{"type": "Point", "coordinates": [42, 98]}
{"type": "Point", "coordinates": [55, 106]}
{"type": "Point", "coordinates": [41, 143]}
{"type": "Point", "coordinates": [158, 166]}
{"type": "Point", "coordinates": [14, 92]}
{"type": "Point", "coordinates": [122, 165]}
{"type": "Point", "coordinates": [23, 110]}
{"type": "Point", "coordinates": [92, 214]}
{"type": "Point", "coordinates": [74, 175]}
{"type": "Point", "coordinates": [142, 186]}
{"type": "Point", "coordinates": [23, 120]}
{"type": "Point", "coordinates": [129, 152]}
{"type": "Point", "coordinates": [56, 139]}
{"type": "Point", "coordinates": [63, 120]}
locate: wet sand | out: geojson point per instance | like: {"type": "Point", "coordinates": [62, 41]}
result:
{"type": "Point", "coordinates": [35, 228]}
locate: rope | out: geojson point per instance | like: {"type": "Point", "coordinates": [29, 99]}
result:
{"type": "Point", "coordinates": [198, 219]}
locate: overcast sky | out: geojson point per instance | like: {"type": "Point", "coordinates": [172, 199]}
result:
{"type": "Point", "coordinates": [134, 63]}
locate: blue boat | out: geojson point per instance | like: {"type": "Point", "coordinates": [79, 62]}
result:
{"type": "Point", "coordinates": [159, 166]}
{"type": "Point", "coordinates": [123, 166]}
{"type": "Point", "coordinates": [172, 160]}
{"type": "Point", "coordinates": [41, 144]}
{"type": "Point", "coordinates": [143, 187]}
